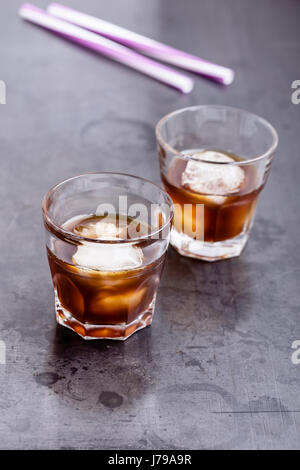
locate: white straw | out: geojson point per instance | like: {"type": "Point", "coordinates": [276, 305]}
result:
{"type": "Point", "coordinates": [108, 48]}
{"type": "Point", "coordinates": [143, 44]}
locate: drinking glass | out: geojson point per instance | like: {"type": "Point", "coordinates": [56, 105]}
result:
{"type": "Point", "coordinates": [105, 284]}
{"type": "Point", "coordinates": [214, 162]}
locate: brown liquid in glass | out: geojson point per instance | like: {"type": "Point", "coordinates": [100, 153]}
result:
{"type": "Point", "coordinates": [96, 297]}
{"type": "Point", "coordinates": [221, 221]}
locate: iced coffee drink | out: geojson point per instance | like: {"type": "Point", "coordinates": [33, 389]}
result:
{"type": "Point", "coordinates": [106, 267]}
{"type": "Point", "coordinates": [215, 186]}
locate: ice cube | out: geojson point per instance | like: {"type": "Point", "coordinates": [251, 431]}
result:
{"type": "Point", "coordinates": [108, 257]}
{"type": "Point", "coordinates": [108, 301]}
{"type": "Point", "coordinates": [110, 231]}
{"type": "Point", "coordinates": [69, 295]}
{"type": "Point", "coordinates": [216, 181]}
{"type": "Point", "coordinates": [103, 229]}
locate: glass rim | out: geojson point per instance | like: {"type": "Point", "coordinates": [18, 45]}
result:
{"type": "Point", "coordinates": [79, 238]}
{"type": "Point", "coordinates": [263, 121]}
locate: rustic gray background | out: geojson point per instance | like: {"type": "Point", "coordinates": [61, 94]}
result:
{"type": "Point", "coordinates": [214, 370]}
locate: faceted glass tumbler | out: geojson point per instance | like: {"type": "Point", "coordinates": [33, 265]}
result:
{"type": "Point", "coordinates": [108, 291]}
{"type": "Point", "coordinates": [213, 223]}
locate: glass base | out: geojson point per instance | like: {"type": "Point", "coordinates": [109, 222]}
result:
{"type": "Point", "coordinates": [207, 251]}
{"type": "Point", "coordinates": [90, 331]}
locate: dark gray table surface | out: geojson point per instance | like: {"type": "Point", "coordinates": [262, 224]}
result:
{"type": "Point", "coordinates": [214, 370]}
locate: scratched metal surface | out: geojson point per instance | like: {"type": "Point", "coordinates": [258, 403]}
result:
{"type": "Point", "coordinates": [214, 370]}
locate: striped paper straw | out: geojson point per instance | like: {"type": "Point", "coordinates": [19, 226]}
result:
{"type": "Point", "coordinates": [143, 44]}
{"type": "Point", "coordinates": [108, 48]}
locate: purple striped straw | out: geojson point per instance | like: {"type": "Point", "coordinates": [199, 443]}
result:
{"type": "Point", "coordinates": [143, 44]}
{"type": "Point", "coordinates": [108, 48]}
